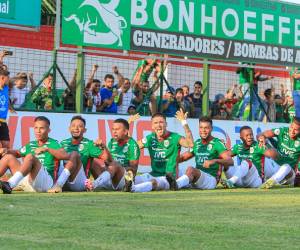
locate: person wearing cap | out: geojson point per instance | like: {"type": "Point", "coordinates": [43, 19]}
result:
{"type": "Point", "coordinates": [4, 107]}
{"type": "Point", "coordinates": [219, 110]}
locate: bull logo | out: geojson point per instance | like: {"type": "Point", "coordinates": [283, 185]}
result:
{"type": "Point", "coordinates": [111, 19]}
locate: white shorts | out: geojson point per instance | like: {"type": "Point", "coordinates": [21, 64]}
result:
{"type": "Point", "coordinates": [110, 185]}
{"type": "Point", "coordinates": [251, 180]}
{"type": "Point", "coordinates": [206, 181]}
{"type": "Point", "coordinates": [162, 183]}
{"type": "Point", "coordinates": [78, 184]}
{"type": "Point", "coordinates": [271, 167]}
{"type": "Point", "coordinates": [43, 181]}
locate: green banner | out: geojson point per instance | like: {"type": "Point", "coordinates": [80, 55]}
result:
{"type": "Point", "coordinates": [8, 9]}
{"type": "Point", "coordinates": [257, 31]}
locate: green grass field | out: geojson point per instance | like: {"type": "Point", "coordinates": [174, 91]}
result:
{"type": "Point", "coordinates": [218, 219]}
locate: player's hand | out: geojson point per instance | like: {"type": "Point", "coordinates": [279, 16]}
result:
{"type": "Point", "coordinates": [261, 141]}
{"type": "Point", "coordinates": [208, 163]}
{"type": "Point", "coordinates": [40, 150]}
{"type": "Point", "coordinates": [133, 118]}
{"type": "Point", "coordinates": [181, 116]}
{"type": "Point", "coordinates": [99, 143]}
{"type": "Point", "coordinates": [3, 151]}
{"type": "Point", "coordinates": [95, 67]}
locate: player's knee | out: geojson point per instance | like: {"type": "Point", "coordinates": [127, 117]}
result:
{"type": "Point", "coordinates": [74, 156]}
{"type": "Point", "coordinates": [189, 171]}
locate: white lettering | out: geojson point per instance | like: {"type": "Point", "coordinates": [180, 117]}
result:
{"type": "Point", "coordinates": [168, 22]}
{"type": "Point", "coordinates": [188, 18]}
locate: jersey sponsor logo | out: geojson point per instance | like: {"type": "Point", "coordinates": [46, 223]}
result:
{"type": "Point", "coordinates": [160, 155]}
{"type": "Point", "coordinates": [277, 131]}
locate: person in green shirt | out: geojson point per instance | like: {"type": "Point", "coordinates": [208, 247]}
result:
{"type": "Point", "coordinates": [40, 163]}
{"type": "Point", "coordinates": [210, 155]}
{"type": "Point", "coordinates": [83, 153]}
{"type": "Point", "coordinates": [288, 148]}
{"type": "Point", "coordinates": [164, 147]}
{"type": "Point", "coordinates": [252, 155]}
{"type": "Point", "coordinates": [125, 154]}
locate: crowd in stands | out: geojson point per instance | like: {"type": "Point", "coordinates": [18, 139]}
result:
{"type": "Point", "coordinates": [118, 94]}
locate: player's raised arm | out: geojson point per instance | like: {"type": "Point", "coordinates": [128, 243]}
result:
{"type": "Point", "coordinates": [188, 140]}
{"type": "Point", "coordinates": [264, 135]}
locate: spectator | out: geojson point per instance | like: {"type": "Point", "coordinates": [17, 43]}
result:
{"type": "Point", "coordinates": [295, 80]}
{"type": "Point", "coordinates": [279, 101]}
{"type": "Point", "coordinates": [93, 97]}
{"type": "Point", "coordinates": [19, 89]}
{"type": "Point", "coordinates": [108, 94]}
{"type": "Point", "coordinates": [69, 95]}
{"type": "Point", "coordinates": [219, 110]}
{"type": "Point", "coordinates": [196, 97]}
{"type": "Point", "coordinates": [172, 104]}
{"type": "Point", "coordinates": [289, 111]}
{"type": "Point", "coordinates": [43, 97]}
{"type": "Point", "coordinates": [131, 109]}
{"type": "Point", "coordinates": [269, 112]}
{"type": "Point", "coordinates": [125, 92]}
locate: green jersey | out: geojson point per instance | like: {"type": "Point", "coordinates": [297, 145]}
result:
{"type": "Point", "coordinates": [296, 81]}
{"type": "Point", "coordinates": [244, 75]}
{"type": "Point", "coordinates": [144, 76]}
{"type": "Point", "coordinates": [164, 154]}
{"type": "Point", "coordinates": [254, 154]}
{"type": "Point", "coordinates": [86, 149]}
{"type": "Point", "coordinates": [46, 159]}
{"type": "Point", "coordinates": [288, 148]}
{"type": "Point", "coordinates": [123, 153]}
{"type": "Point", "coordinates": [209, 151]}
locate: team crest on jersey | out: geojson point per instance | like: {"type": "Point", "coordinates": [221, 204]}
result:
{"type": "Point", "coordinates": [125, 149]}
{"type": "Point", "coordinates": [251, 150]}
{"type": "Point", "coordinates": [297, 143]}
{"type": "Point", "coordinates": [81, 147]}
{"type": "Point", "coordinates": [166, 143]}
{"type": "Point", "coordinates": [209, 147]}
{"type": "Point", "coordinates": [23, 150]}
{"type": "Point", "coordinates": [277, 131]}
{"type": "Point", "coordinates": [144, 140]}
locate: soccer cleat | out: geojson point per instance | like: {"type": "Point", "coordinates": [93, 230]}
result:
{"type": "Point", "coordinates": [172, 182]}
{"type": "Point", "coordinates": [89, 185]}
{"type": "Point", "coordinates": [4, 185]}
{"type": "Point", "coordinates": [227, 183]}
{"type": "Point", "coordinates": [128, 181]}
{"type": "Point", "coordinates": [268, 184]}
{"type": "Point", "coordinates": [55, 189]}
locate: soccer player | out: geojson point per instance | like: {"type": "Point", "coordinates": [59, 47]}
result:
{"type": "Point", "coordinates": [164, 147]}
{"type": "Point", "coordinates": [288, 147]}
{"type": "Point", "coordinates": [40, 163]}
{"type": "Point", "coordinates": [251, 170]}
{"type": "Point", "coordinates": [82, 151]}
{"type": "Point", "coordinates": [4, 106]}
{"type": "Point", "coordinates": [210, 155]}
{"type": "Point", "coordinates": [125, 153]}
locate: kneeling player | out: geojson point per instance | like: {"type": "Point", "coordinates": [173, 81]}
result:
{"type": "Point", "coordinates": [125, 153]}
{"type": "Point", "coordinates": [251, 170]}
{"type": "Point", "coordinates": [40, 161]}
{"type": "Point", "coordinates": [210, 155]}
{"type": "Point", "coordinates": [164, 147]}
{"type": "Point", "coordinates": [288, 147]}
{"type": "Point", "coordinates": [82, 151]}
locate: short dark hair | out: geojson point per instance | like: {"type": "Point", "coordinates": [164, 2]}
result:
{"type": "Point", "coordinates": [244, 128]}
{"type": "Point", "coordinates": [4, 72]}
{"type": "Point", "coordinates": [122, 121]}
{"type": "Point", "coordinates": [198, 83]}
{"type": "Point", "coordinates": [296, 120]}
{"type": "Point", "coordinates": [109, 76]}
{"type": "Point", "coordinates": [268, 92]}
{"type": "Point", "coordinates": [158, 114]}
{"type": "Point", "coordinates": [206, 119]}
{"type": "Point", "coordinates": [78, 117]}
{"type": "Point", "coordinates": [179, 90]}
{"type": "Point", "coordinates": [96, 81]}
{"type": "Point", "coordinates": [42, 118]}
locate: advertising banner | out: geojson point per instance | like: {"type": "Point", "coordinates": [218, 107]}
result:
{"type": "Point", "coordinates": [20, 12]}
{"type": "Point", "coordinates": [99, 126]}
{"type": "Point", "coordinates": [235, 30]}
